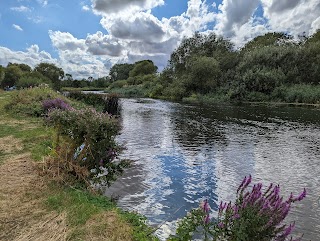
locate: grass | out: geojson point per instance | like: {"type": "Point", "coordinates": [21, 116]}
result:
{"type": "Point", "coordinates": [34, 207]}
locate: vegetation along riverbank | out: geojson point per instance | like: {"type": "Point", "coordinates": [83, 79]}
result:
{"type": "Point", "coordinates": [41, 201]}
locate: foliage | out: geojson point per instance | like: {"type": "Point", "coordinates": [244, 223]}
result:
{"type": "Point", "coordinates": [29, 101]}
{"type": "Point", "coordinates": [52, 72]}
{"type": "Point", "coordinates": [120, 71]}
{"type": "Point", "coordinates": [106, 103]}
{"type": "Point", "coordinates": [90, 150]}
{"type": "Point", "coordinates": [33, 79]}
{"type": "Point", "coordinates": [55, 104]}
{"type": "Point", "coordinates": [255, 215]}
{"type": "Point", "coordinates": [12, 75]}
{"type": "Point", "coordinates": [144, 67]}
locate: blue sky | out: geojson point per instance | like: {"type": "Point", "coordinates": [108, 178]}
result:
{"type": "Point", "coordinates": [87, 37]}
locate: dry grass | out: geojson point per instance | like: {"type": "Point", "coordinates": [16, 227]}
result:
{"type": "Point", "coordinates": [9, 145]}
{"type": "Point", "coordinates": [102, 227]}
{"type": "Point", "coordinates": [22, 214]}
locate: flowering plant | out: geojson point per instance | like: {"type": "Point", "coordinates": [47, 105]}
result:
{"type": "Point", "coordinates": [255, 215]}
{"type": "Point", "coordinates": [89, 141]}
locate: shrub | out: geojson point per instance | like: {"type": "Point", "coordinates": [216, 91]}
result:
{"type": "Point", "coordinates": [29, 101]}
{"type": "Point", "coordinates": [55, 104]}
{"type": "Point", "coordinates": [90, 149]}
{"type": "Point", "coordinates": [255, 215]}
{"type": "Point", "coordinates": [106, 103]}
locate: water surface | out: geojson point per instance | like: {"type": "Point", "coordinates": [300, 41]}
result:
{"type": "Point", "coordinates": [185, 153]}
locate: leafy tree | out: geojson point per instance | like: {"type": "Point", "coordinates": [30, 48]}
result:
{"type": "Point", "coordinates": [2, 74]}
{"type": "Point", "coordinates": [23, 67]}
{"type": "Point", "coordinates": [143, 67]}
{"type": "Point", "coordinates": [54, 73]}
{"type": "Point", "coordinates": [12, 75]}
{"type": "Point", "coordinates": [120, 71]}
{"type": "Point", "coordinates": [269, 39]}
{"type": "Point", "coordinates": [202, 74]}
{"type": "Point", "coordinates": [32, 79]}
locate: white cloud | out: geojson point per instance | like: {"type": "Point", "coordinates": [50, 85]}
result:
{"type": "Point", "coordinates": [108, 7]}
{"type": "Point", "coordinates": [17, 27]}
{"type": "Point", "coordinates": [21, 9]}
{"type": "Point", "coordinates": [66, 41]}
{"type": "Point", "coordinates": [85, 8]}
{"type": "Point", "coordinates": [100, 44]}
{"type": "Point", "coordinates": [32, 56]}
{"type": "Point", "coordinates": [43, 2]}
{"type": "Point", "coordinates": [142, 26]}
{"type": "Point", "coordinates": [234, 14]}
{"type": "Point", "coordinates": [293, 16]}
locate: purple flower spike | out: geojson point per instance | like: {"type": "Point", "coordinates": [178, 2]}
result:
{"type": "Point", "coordinates": [207, 219]}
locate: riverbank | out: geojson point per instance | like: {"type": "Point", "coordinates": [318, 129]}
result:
{"type": "Point", "coordinates": [34, 207]}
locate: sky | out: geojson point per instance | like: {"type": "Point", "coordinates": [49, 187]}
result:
{"type": "Point", "coordinates": [87, 37]}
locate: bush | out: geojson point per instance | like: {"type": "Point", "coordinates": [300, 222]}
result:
{"type": "Point", "coordinates": [255, 215]}
{"type": "Point", "coordinates": [106, 103]}
{"type": "Point", "coordinates": [29, 101]}
{"type": "Point", "coordinates": [90, 151]}
{"type": "Point", "coordinates": [55, 104]}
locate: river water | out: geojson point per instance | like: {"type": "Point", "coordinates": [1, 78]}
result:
{"type": "Point", "coordinates": [186, 153]}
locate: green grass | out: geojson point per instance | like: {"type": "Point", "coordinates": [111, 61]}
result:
{"type": "Point", "coordinates": [81, 206]}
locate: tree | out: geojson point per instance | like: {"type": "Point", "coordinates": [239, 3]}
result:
{"type": "Point", "coordinates": [12, 76]}
{"type": "Point", "coordinates": [202, 74]}
{"type": "Point", "coordinates": [120, 71]}
{"type": "Point", "coordinates": [269, 39]}
{"type": "Point", "coordinates": [143, 67]}
{"type": "Point", "coordinates": [54, 73]}
{"type": "Point", "coordinates": [23, 67]}
{"type": "Point", "coordinates": [2, 73]}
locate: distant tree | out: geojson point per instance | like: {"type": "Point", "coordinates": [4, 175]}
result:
{"type": "Point", "coordinates": [269, 39]}
{"type": "Point", "coordinates": [32, 79]}
{"type": "Point", "coordinates": [143, 67]}
{"type": "Point", "coordinates": [2, 74]}
{"type": "Point", "coordinates": [23, 67]}
{"type": "Point", "coordinates": [12, 75]}
{"type": "Point", "coordinates": [120, 72]}
{"type": "Point", "coordinates": [54, 73]}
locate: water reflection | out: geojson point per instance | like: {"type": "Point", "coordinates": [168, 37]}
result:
{"type": "Point", "coordinates": [186, 153]}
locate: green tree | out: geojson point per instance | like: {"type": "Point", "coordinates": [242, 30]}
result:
{"type": "Point", "coordinates": [12, 75]}
{"type": "Point", "coordinates": [202, 75]}
{"type": "Point", "coordinates": [23, 67]}
{"type": "Point", "coordinates": [143, 67]}
{"type": "Point", "coordinates": [120, 71]}
{"type": "Point", "coordinates": [52, 72]}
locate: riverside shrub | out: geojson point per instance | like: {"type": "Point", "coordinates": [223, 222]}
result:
{"type": "Point", "coordinates": [255, 215]}
{"type": "Point", "coordinates": [89, 138]}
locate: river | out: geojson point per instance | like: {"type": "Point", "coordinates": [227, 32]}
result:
{"type": "Point", "coordinates": [186, 153]}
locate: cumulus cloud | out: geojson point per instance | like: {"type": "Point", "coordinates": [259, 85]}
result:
{"type": "Point", "coordinates": [293, 16]}
{"type": "Point", "coordinates": [100, 44]}
{"type": "Point", "coordinates": [66, 41]}
{"type": "Point", "coordinates": [142, 26]}
{"type": "Point", "coordinates": [32, 56]}
{"type": "Point", "coordinates": [233, 15]}
{"type": "Point", "coordinates": [21, 9]}
{"type": "Point", "coordinates": [17, 27]}
{"type": "Point", "coordinates": [115, 6]}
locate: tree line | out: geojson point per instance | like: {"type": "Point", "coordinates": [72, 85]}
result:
{"type": "Point", "coordinates": [271, 67]}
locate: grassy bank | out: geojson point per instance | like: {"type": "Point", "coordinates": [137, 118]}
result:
{"type": "Point", "coordinates": [34, 207]}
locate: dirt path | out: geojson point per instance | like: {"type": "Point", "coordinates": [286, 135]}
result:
{"type": "Point", "coordinates": [22, 214]}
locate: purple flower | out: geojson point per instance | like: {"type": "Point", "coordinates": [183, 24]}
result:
{"type": "Point", "coordinates": [205, 206]}
{"type": "Point", "coordinates": [302, 195]}
{"type": "Point", "coordinates": [221, 225]}
{"type": "Point", "coordinates": [207, 219]}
